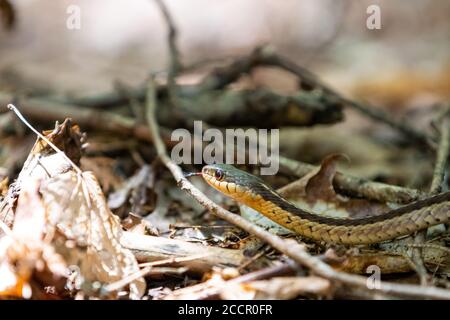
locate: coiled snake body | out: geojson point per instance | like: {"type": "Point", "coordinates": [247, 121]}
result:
{"type": "Point", "coordinates": [253, 192]}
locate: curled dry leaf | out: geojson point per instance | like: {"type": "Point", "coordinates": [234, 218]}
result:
{"type": "Point", "coordinates": [74, 211]}
{"type": "Point", "coordinates": [134, 223]}
{"type": "Point", "coordinates": [77, 206]}
{"type": "Point", "coordinates": [315, 192]}
{"type": "Point", "coordinates": [43, 162]}
{"type": "Point", "coordinates": [25, 255]}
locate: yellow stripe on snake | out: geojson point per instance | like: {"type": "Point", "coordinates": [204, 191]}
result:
{"type": "Point", "coordinates": [253, 192]}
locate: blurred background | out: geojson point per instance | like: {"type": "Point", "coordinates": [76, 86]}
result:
{"type": "Point", "coordinates": [403, 68]}
{"type": "Point", "coordinates": [125, 40]}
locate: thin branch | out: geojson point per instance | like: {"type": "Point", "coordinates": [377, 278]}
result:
{"type": "Point", "coordinates": [289, 247]}
{"type": "Point", "coordinates": [115, 286]}
{"type": "Point", "coordinates": [45, 110]}
{"type": "Point", "coordinates": [207, 291]}
{"type": "Point", "coordinates": [442, 155]}
{"type": "Point", "coordinates": [436, 187]}
{"type": "Point", "coordinates": [175, 64]}
{"type": "Point", "coordinates": [266, 56]}
{"type": "Point", "coordinates": [150, 249]}
{"type": "Point", "coordinates": [357, 186]}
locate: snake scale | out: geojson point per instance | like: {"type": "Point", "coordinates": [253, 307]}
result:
{"type": "Point", "coordinates": [251, 191]}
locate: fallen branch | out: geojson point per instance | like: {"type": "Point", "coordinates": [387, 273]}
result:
{"type": "Point", "coordinates": [442, 153]}
{"type": "Point", "coordinates": [150, 249]}
{"type": "Point", "coordinates": [175, 64]}
{"type": "Point", "coordinates": [436, 187]}
{"type": "Point", "coordinates": [265, 56]}
{"type": "Point", "coordinates": [357, 186]}
{"type": "Point", "coordinates": [207, 291]}
{"type": "Point", "coordinates": [45, 110]}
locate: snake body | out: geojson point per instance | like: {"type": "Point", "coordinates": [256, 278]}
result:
{"type": "Point", "coordinates": [251, 191]}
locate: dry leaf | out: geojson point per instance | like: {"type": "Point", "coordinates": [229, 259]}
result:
{"type": "Point", "coordinates": [103, 169]}
{"type": "Point", "coordinates": [70, 211]}
{"type": "Point", "coordinates": [43, 162]}
{"type": "Point", "coordinates": [77, 207]}
{"type": "Point", "coordinates": [25, 254]}
{"type": "Point", "coordinates": [139, 190]}
{"type": "Point", "coordinates": [315, 192]}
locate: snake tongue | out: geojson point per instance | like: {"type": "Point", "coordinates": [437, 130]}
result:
{"type": "Point", "coordinates": [190, 174]}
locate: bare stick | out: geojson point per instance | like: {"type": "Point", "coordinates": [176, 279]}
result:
{"type": "Point", "coordinates": [175, 64]}
{"type": "Point", "coordinates": [205, 290]}
{"type": "Point", "coordinates": [357, 186]}
{"type": "Point", "coordinates": [289, 247]}
{"type": "Point", "coordinates": [115, 286]}
{"type": "Point", "coordinates": [436, 187]}
{"type": "Point", "coordinates": [442, 155]}
{"type": "Point", "coordinates": [150, 249]}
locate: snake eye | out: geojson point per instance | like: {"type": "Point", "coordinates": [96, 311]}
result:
{"type": "Point", "coordinates": [218, 174]}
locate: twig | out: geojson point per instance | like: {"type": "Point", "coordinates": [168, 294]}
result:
{"type": "Point", "coordinates": [381, 116]}
{"type": "Point", "coordinates": [357, 186]}
{"type": "Point", "coordinates": [206, 291]}
{"type": "Point", "coordinates": [442, 155]}
{"type": "Point", "coordinates": [175, 64]}
{"type": "Point", "coordinates": [172, 260]}
{"type": "Point", "coordinates": [291, 248]}
{"type": "Point", "coordinates": [265, 56]}
{"type": "Point", "coordinates": [152, 249]}
{"type": "Point", "coordinates": [436, 187]}
{"type": "Point", "coordinates": [45, 110]}
{"type": "Point", "coordinates": [143, 272]}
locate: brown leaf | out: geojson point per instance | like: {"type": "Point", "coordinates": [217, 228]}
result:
{"type": "Point", "coordinates": [44, 162]}
{"type": "Point", "coordinates": [77, 207]}
{"type": "Point", "coordinates": [139, 190]}
{"type": "Point", "coordinates": [103, 169]}
{"type": "Point", "coordinates": [315, 192]}
{"type": "Point", "coordinates": [134, 223]}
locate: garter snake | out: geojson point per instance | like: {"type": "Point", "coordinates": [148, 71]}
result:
{"type": "Point", "coordinates": [251, 191]}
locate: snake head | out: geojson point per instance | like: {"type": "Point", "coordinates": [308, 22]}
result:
{"type": "Point", "coordinates": [229, 180]}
